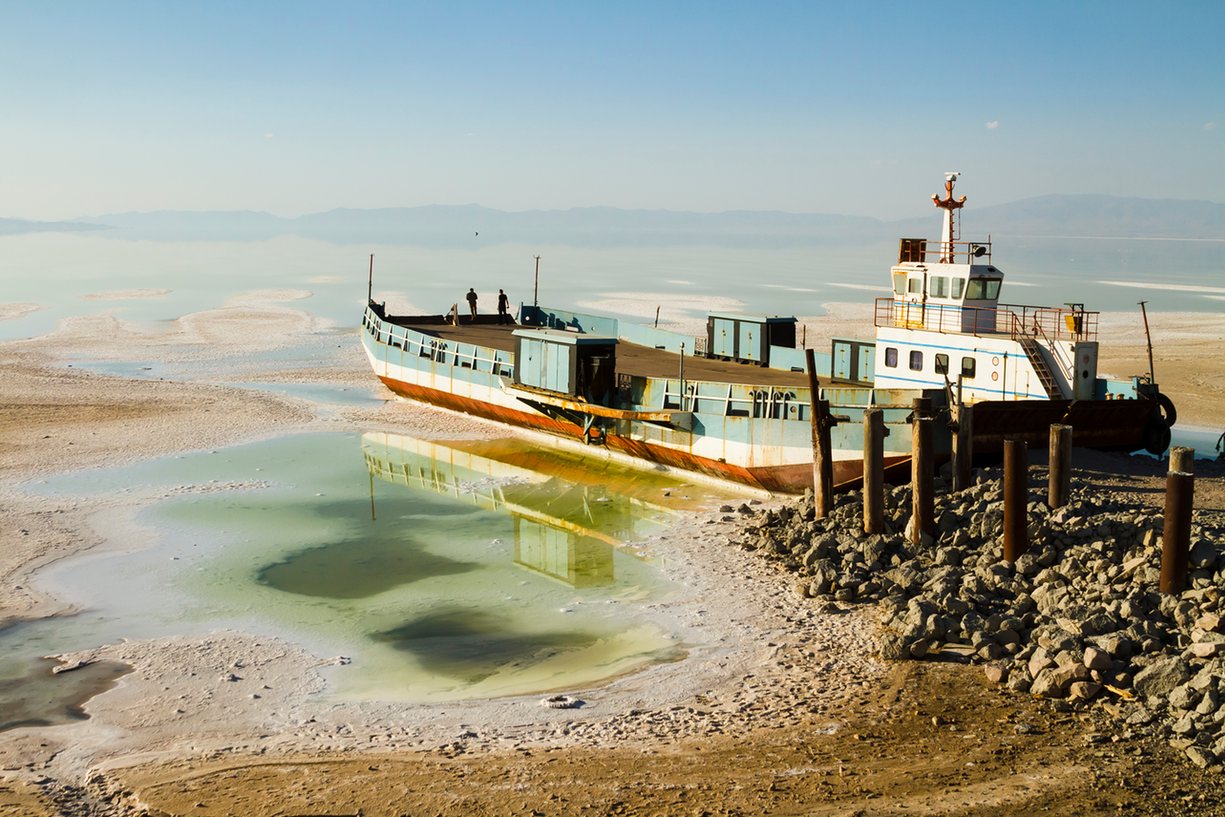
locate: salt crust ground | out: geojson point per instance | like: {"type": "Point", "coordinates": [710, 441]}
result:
{"type": "Point", "coordinates": [765, 651]}
{"type": "Point", "coordinates": [176, 699]}
{"type": "Point", "coordinates": [13, 311]}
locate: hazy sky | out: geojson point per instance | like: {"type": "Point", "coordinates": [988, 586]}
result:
{"type": "Point", "coordinates": [298, 107]}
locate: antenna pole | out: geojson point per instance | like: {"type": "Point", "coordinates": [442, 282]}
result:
{"type": "Point", "coordinates": [1148, 339]}
{"type": "Point", "coordinates": [370, 281]}
{"type": "Point", "coordinates": [536, 284]}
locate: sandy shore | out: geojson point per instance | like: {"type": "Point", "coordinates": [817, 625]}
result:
{"type": "Point", "coordinates": [774, 685]}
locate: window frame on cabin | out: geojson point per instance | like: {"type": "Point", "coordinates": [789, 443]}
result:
{"type": "Point", "coordinates": [983, 289]}
{"type": "Point", "coordinates": [938, 286]}
{"type": "Point", "coordinates": [942, 363]}
{"type": "Point", "coordinates": [967, 371]}
{"type": "Point", "coordinates": [916, 360]}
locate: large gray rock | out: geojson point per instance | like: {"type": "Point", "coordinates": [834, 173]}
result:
{"type": "Point", "coordinates": [893, 647]}
{"type": "Point", "coordinates": [1099, 660]}
{"type": "Point", "coordinates": [1039, 661]}
{"type": "Point", "coordinates": [1161, 676]}
{"type": "Point", "coordinates": [1183, 698]}
{"type": "Point", "coordinates": [1203, 555]}
{"type": "Point", "coordinates": [1045, 685]}
{"type": "Point", "coordinates": [1200, 756]}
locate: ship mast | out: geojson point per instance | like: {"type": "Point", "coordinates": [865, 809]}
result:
{"type": "Point", "coordinates": [949, 205]}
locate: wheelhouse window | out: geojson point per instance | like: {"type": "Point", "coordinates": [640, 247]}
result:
{"type": "Point", "coordinates": [938, 286]}
{"type": "Point", "coordinates": [983, 289]}
{"type": "Point", "coordinates": [942, 364]}
{"type": "Point", "coordinates": [915, 286]}
{"type": "Point", "coordinates": [891, 357]}
{"type": "Point", "coordinates": [967, 367]}
{"type": "Point", "coordinates": [959, 286]}
{"type": "Point", "coordinates": [916, 361]}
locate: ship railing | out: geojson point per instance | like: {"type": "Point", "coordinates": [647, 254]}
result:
{"type": "Point", "coordinates": [742, 400]}
{"type": "Point", "coordinates": [462, 355]}
{"type": "Point", "coordinates": [1038, 331]}
{"type": "Point", "coordinates": [1052, 323]}
{"type": "Point", "coordinates": [923, 251]}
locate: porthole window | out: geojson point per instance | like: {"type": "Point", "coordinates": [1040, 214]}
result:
{"type": "Point", "coordinates": [916, 361]}
{"type": "Point", "coordinates": [891, 357]}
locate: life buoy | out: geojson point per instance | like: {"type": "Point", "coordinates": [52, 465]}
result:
{"type": "Point", "coordinates": [1166, 410]}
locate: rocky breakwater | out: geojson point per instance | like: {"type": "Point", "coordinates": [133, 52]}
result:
{"type": "Point", "coordinates": [1077, 619]}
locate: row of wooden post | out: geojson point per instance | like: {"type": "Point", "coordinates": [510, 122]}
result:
{"type": "Point", "coordinates": [1180, 482]}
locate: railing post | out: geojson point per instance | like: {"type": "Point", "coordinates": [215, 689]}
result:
{"type": "Point", "coordinates": [1176, 536]}
{"type": "Point", "coordinates": [822, 455]}
{"type": "Point", "coordinates": [1016, 499]}
{"type": "Point", "coordinates": [922, 487]}
{"type": "Point", "coordinates": [1182, 459]}
{"type": "Point", "coordinates": [963, 447]}
{"type": "Point", "coordinates": [1059, 466]}
{"type": "Point", "coordinates": [873, 470]}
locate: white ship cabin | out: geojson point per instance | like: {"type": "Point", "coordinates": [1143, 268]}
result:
{"type": "Point", "coordinates": [945, 326]}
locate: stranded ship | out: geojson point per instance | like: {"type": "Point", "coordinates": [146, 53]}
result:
{"type": "Point", "coordinates": [737, 404]}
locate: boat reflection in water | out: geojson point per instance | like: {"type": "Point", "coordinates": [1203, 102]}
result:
{"type": "Point", "coordinates": [562, 606]}
{"type": "Point", "coordinates": [569, 513]}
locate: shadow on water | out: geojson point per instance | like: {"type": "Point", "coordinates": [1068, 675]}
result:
{"type": "Point", "coordinates": [471, 645]}
{"type": "Point", "coordinates": [43, 698]}
{"type": "Point", "coordinates": [358, 569]}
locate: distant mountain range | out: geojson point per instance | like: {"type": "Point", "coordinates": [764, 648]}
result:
{"type": "Point", "coordinates": [15, 226]}
{"type": "Point", "coordinates": [1054, 215]}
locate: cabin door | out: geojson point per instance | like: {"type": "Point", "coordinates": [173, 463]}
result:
{"type": "Point", "coordinates": [899, 298]}
{"type": "Point", "coordinates": [916, 298]}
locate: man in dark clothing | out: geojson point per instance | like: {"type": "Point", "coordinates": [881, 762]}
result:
{"type": "Point", "coordinates": [472, 302]}
{"type": "Point", "coordinates": [503, 308]}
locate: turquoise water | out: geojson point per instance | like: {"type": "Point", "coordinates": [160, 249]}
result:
{"type": "Point", "coordinates": [443, 570]}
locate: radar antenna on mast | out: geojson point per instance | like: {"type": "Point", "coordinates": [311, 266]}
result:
{"type": "Point", "coordinates": [949, 205]}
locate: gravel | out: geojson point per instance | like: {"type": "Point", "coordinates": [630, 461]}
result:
{"type": "Point", "coordinates": [1078, 618]}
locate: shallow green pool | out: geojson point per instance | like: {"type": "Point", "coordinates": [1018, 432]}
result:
{"type": "Point", "coordinates": [442, 570]}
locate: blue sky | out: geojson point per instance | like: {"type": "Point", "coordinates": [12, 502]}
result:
{"type": "Point", "coordinates": [807, 107]}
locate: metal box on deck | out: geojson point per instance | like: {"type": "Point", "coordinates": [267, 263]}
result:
{"type": "Point", "coordinates": [853, 361]}
{"type": "Point", "coordinates": [581, 366]}
{"type": "Point", "coordinates": [747, 338]}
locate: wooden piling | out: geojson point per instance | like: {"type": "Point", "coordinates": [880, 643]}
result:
{"type": "Point", "coordinates": [873, 470]}
{"type": "Point", "coordinates": [1182, 459]}
{"type": "Point", "coordinates": [1016, 499]}
{"type": "Point", "coordinates": [1176, 537]}
{"type": "Point", "coordinates": [922, 471]}
{"type": "Point", "coordinates": [1059, 466]}
{"type": "Point", "coordinates": [963, 448]}
{"type": "Point", "coordinates": [822, 455]}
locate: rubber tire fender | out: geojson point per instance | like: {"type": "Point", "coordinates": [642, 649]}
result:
{"type": "Point", "coordinates": [1156, 437]}
{"type": "Point", "coordinates": [1165, 407]}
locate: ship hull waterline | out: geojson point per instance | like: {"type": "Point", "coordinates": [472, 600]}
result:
{"type": "Point", "coordinates": [790, 478]}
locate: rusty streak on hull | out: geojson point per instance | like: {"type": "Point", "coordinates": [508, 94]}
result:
{"type": "Point", "coordinates": [781, 479]}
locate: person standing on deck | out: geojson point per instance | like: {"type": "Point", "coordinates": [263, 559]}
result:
{"type": "Point", "coordinates": [471, 296]}
{"type": "Point", "coordinates": [503, 308]}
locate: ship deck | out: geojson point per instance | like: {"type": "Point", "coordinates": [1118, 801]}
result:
{"type": "Point", "coordinates": [632, 359]}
